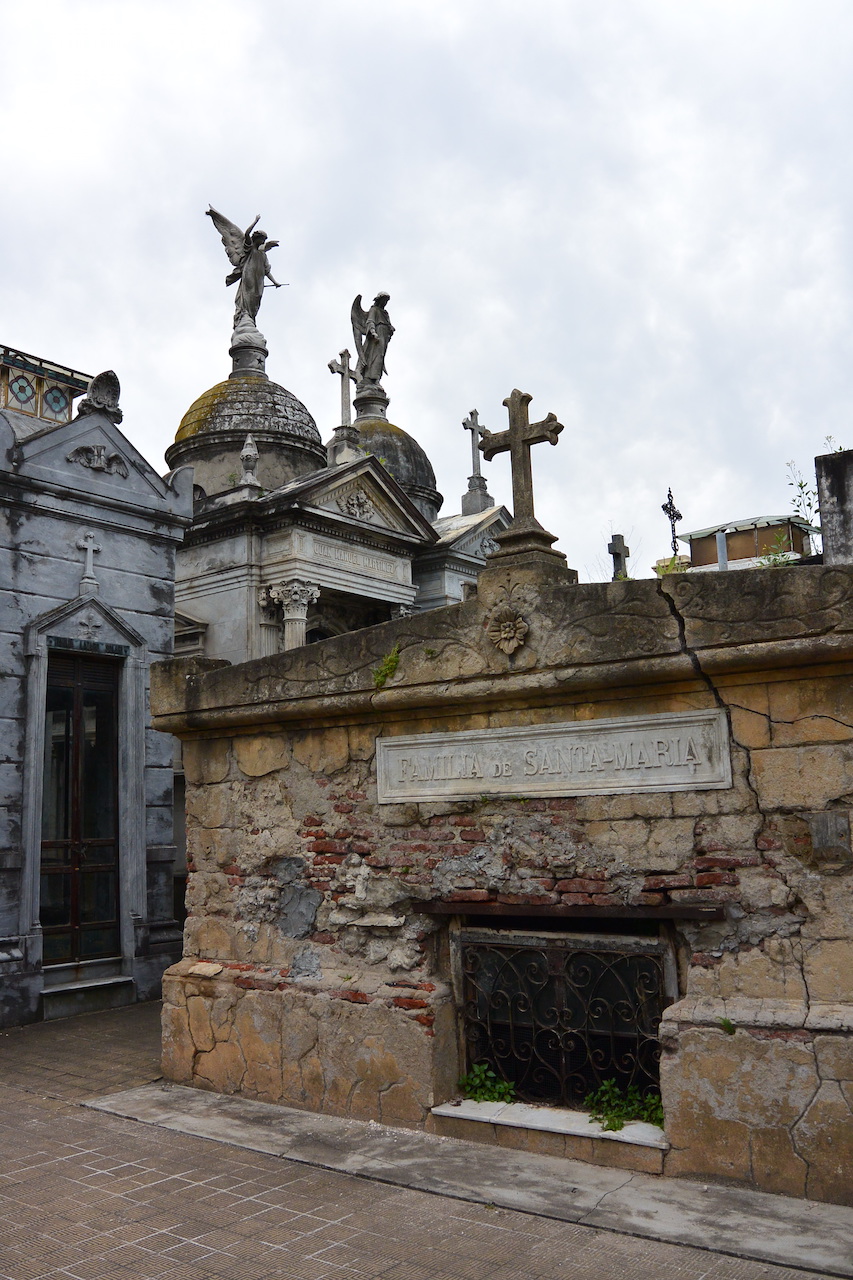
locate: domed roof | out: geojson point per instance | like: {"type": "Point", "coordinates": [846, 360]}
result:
{"type": "Point", "coordinates": [248, 405]}
{"type": "Point", "coordinates": [404, 458]}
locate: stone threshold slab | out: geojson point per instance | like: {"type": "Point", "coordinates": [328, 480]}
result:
{"type": "Point", "coordinates": [521, 1115]}
{"type": "Point", "coordinates": [730, 1220]}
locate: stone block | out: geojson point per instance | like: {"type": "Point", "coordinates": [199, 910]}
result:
{"type": "Point", "coordinates": [257, 1027]}
{"type": "Point", "coordinates": [824, 1139]}
{"type": "Point", "coordinates": [828, 969]}
{"type": "Point", "coordinates": [624, 1155]}
{"type": "Point", "coordinates": [206, 760]}
{"type": "Point", "coordinates": [322, 751]}
{"type": "Point", "coordinates": [256, 756]}
{"type": "Point", "coordinates": [177, 1051]}
{"type": "Point", "coordinates": [811, 711]}
{"type": "Point", "coordinates": [807, 777]}
{"type": "Point", "coordinates": [776, 1167]}
{"type": "Point", "coordinates": [750, 726]}
{"type": "Point", "coordinates": [223, 1069]}
{"type": "Point", "coordinates": [834, 1057]}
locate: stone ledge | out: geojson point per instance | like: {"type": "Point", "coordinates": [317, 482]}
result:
{"type": "Point", "coordinates": [520, 1115]}
{"type": "Point", "coordinates": [553, 1131]}
{"type": "Point", "coordinates": [793, 1015]}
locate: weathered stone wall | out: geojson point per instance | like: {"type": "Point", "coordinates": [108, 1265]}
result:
{"type": "Point", "coordinates": [309, 976]}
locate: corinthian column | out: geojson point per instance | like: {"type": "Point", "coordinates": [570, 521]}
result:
{"type": "Point", "coordinates": [294, 597]}
{"type": "Point", "coordinates": [270, 627]}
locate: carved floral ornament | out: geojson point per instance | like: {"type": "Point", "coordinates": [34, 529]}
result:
{"type": "Point", "coordinates": [357, 504]}
{"type": "Point", "coordinates": [507, 630]}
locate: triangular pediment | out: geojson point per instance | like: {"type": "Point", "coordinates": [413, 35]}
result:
{"type": "Point", "coordinates": [478, 539]}
{"type": "Point", "coordinates": [86, 620]}
{"type": "Point", "coordinates": [91, 454]}
{"type": "Point", "coordinates": [363, 494]}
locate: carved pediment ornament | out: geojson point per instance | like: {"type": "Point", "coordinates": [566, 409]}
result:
{"type": "Point", "coordinates": [96, 458]}
{"type": "Point", "coordinates": [488, 546]}
{"type": "Point", "coordinates": [507, 630]}
{"type": "Point", "coordinates": [102, 397]}
{"type": "Point", "coordinates": [356, 503]}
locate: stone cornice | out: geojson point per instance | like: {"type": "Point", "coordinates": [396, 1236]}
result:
{"type": "Point", "coordinates": [620, 636]}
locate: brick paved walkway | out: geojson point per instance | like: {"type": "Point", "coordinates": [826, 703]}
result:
{"type": "Point", "coordinates": [90, 1196]}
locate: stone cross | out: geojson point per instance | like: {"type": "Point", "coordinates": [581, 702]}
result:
{"type": "Point", "coordinates": [673, 515]}
{"type": "Point", "coordinates": [518, 440]}
{"type": "Point", "coordinates": [347, 375]}
{"type": "Point", "coordinates": [472, 424]}
{"type": "Point", "coordinates": [620, 553]}
{"type": "Point", "coordinates": [87, 543]}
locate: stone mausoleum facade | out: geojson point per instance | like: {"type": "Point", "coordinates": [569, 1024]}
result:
{"type": "Point", "coordinates": [571, 832]}
{"type": "Point", "coordinates": [88, 533]}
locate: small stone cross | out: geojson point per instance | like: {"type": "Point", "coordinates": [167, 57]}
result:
{"type": "Point", "coordinates": [518, 440]}
{"type": "Point", "coordinates": [620, 553]}
{"type": "Point", "coordinates": [347, 375]}
{"type": "Point", "coordinates": [673, 515]}
{"type": "Point", "coordinates": [472, 424]}
{"type": "Point", "coordinates": [87, 543]}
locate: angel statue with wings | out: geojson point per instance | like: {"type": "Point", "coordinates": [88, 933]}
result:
{"type": "Point", "coordinates": [247, 252]}
{"type": "Point", "coordinates": [372, 331]}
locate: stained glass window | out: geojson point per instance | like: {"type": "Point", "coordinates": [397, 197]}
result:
{"type": "Point", "coordinates": [22, 393]}
{"type": "Point", "coordinates": [55, 403]}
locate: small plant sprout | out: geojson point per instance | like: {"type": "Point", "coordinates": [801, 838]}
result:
{"type": "Point", "coordinates": [611, 1107]}
{"type": "Point", "coordinates": [482, 1085]}
{"type": "Point", "coordinates": [386, 668]}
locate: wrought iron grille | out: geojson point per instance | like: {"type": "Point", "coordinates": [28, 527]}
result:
{"type": "Point", "coordinates": [558, 1015]}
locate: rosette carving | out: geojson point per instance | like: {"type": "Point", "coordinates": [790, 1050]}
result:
{"type": "Point", "coordinates": [507, 630]}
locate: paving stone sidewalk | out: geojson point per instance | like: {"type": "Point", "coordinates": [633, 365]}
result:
{"type": "Point", "coordinates": [86, 1195]}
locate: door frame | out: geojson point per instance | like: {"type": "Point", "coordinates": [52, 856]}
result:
{"type": "Point", "coordinates": [116, 639]}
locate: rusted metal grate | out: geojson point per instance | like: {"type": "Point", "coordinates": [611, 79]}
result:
{"type": "Point", "coordinates": [558, 1015]}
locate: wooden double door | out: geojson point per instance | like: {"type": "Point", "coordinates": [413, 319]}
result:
{"type": "Point", "coordinates": [79, 904]}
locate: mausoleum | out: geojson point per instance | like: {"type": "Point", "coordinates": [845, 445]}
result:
{"type": "Point", "coordinates": [571, 833]}
{"type": "Point", "coordinates": [89, 532]}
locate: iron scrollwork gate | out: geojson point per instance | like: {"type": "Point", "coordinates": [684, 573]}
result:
{"type": "Point", "coordinates": [557, 1015]}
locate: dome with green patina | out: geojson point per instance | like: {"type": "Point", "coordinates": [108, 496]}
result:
{"type": "Point", "coordinates": [404, 458]}
{"type": "Point", "coordinates": [248, 404]}
{"type": "Point", "coordinates": [214, 428]}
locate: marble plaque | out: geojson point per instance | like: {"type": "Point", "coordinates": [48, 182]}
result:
{"type": "Point", "coordinates": [684, 751]}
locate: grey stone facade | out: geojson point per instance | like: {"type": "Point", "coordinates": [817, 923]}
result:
{"type": "Point", "coordinates": [88, 535]}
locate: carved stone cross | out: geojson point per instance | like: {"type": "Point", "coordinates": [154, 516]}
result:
{"type": "Point", "coordinates": [517, 441]}
{"type": "Point", "coordinates": [620, 553]}
{"type": "Point", "coordinates": [347, 375]}
{"type": "Point", "coordinates": [472, 424]}
{"type": "Point", "coordinates": [87, 543]}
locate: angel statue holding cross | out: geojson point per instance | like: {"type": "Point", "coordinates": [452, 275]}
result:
{"type": "Point", "coordinates": [247, 253]}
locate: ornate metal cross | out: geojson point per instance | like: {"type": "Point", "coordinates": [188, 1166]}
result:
{"type": "Point", "coordinates": [620, 553]}
{"type": "Point", "coordinates": [517, 441]}
{"type": "Point", "coordinates": [347, 375]}
{"type": "Point", "coordinates": [673, 515]}
{"type": "Point", "coordinates": [472, 424]}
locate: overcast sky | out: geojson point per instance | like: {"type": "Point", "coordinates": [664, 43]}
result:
{"type": "Point", "coordinates": [639, 211]}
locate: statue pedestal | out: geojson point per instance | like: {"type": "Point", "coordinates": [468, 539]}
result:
{"type": "Point", "coordinates": [370, 401]}
{"type": "Point", "coordinates": [248, 353]}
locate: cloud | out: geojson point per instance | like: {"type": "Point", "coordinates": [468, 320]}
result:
{"type": "Point", "coordinates": [637, 212]}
